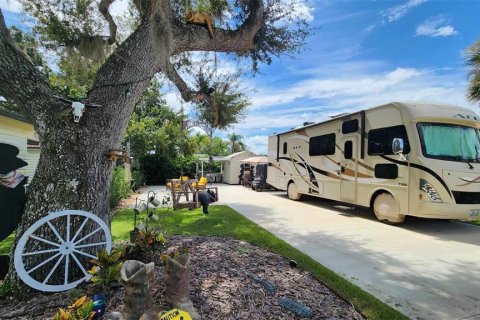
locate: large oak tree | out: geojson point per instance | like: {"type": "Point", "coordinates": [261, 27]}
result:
{"type": "Point", "coordinates": [74, 172]}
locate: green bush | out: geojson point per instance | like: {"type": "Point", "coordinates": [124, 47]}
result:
{"type": "Point", "coordinates": [157, 168]}
{"type": "Point", "coordinates": [119, 188]}
{"type": "Point", "coordinates": [138, 179]}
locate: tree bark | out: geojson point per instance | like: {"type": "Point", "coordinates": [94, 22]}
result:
{"type": "Point", "coordinates": [73, 171]}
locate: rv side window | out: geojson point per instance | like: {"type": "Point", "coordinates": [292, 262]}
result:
{"type": "Point", "coordinates": [322, 145]}
{"type": "Point", "coordinates": [348, 149]}
{"type": "Point", "coordinates": [350, 126]}
{"type": "Point", "coordinates": [380, 140]}
{"type": "Point", "coordinates": [284, 148]}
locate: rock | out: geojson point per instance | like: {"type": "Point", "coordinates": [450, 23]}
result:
{"type": "Point", "coordinates": [296, 307]}
{"type": "Point", "coordinates": [114, 316]}
{"type": "Point", "coordinates": [270, 287]}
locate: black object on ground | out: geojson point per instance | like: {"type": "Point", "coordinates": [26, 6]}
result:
{"type": "Point", "coordinates": [293, 263]}
{"type": "Point", "coordinates": [205, 198]}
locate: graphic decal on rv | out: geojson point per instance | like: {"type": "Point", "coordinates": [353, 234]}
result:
{"type": "Point", "coordinates": [469, 181]}
{"type": "Point", "coordinates": [420, 167]}
{"type": "Point", "coordinates": [310, 172]}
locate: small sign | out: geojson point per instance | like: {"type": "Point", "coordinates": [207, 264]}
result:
{"type": "Point", "coordinates": [176, 314]}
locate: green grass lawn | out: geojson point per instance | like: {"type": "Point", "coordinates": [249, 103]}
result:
{"type": "Point", "coordinates": [226, 222]}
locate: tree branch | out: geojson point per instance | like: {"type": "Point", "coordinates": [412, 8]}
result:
{"type": "Point", "coordinates": [103, 8]}
{"type": "Point", "coordinates": [196, 38]}
{"type": "Point", "coordinates": [187, 94]}
{"type": "Point", "coordinates": [21, 82]}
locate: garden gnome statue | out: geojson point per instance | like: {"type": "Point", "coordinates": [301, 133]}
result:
{"type": "Point", "coordinates": [137, 278]}
{"type": "Point", "coordinates": [178, 284]}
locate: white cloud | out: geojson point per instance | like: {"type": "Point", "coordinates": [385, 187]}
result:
{"type": "Point", "coordinates": [396, 13]}
{"type": "Point", "coordinates": [257, 144]}
{"type": "Point", "coordinates": [436, 27]}
{"type": "Point", "coordinates": [10, 5]}
{"type": "Point", "coordinates": [328, 88]}
{"type": "Point", "coordinates": [302, 11]}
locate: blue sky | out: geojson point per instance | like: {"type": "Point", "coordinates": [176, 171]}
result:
{"type": "Point", "coordinates": [362, 54]}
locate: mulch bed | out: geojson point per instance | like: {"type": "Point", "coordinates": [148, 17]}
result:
{"type": "Point", "coordinates": [221, 286]}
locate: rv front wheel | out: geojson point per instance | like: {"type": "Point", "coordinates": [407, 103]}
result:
{"type": "Point", "coordinates": [386, 209]}
{"type": "Point", "coordinates": [292, 192]}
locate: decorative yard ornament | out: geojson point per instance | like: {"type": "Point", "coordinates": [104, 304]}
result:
{"type": "Point", "coordinates": [52, 263]}
{"type": "Point", "coordinates": [78, 109]}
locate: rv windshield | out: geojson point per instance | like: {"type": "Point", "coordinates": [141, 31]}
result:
{"type": "Point", "coordinates": [450, 142]}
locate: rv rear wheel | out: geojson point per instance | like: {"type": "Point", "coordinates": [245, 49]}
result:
{"type": "Point", "coordinates": [292, 192]}
{"type": "Point", "coordinates": [386, 209]}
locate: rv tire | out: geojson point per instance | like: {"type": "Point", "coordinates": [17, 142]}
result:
{"type": "Point", "coordinates": [386, 209]}
{"type": "Point", "coordinates": [292, 192]}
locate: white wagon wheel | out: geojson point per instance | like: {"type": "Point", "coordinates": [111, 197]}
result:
{"type": "Point", "coordinates": [68, 247]}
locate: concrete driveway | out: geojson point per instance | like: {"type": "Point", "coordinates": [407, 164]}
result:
{"type": "Point", "coordinates": [426, 269]}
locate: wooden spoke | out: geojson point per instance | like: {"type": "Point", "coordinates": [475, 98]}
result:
{"type": "Point", "coordinates": [89, 235]}
{"type": "Point", "coordinates": [91, 245]}
{"type": "Point", "coordinates": [80, 229]}
{"type": "Point", "coordinates": [55, 231]}
{"type": "Point", "coordinates": [53, 270]}
{"type": "Point", "coordinates": [80, 265]}
{"type": "Point", "coordinates": [45, 240]}
{"type": "Point", "coordinates": [67, 261]}
{"type": "Point", "coordinates": [85, 254]}
{"type": "Point", "coordinates": [43, 263]}
{"type": "Point", "coordinates": [38, 252]}
{"type": "Point", "coordinates": [68, 228]}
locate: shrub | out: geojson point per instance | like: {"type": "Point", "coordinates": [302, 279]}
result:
{"type": "Point", "coordinates": [138, 179]}
{"type": "Point", "coordinates": [119, 188]}
{"type": "Point", "coordinates": [106, 269]}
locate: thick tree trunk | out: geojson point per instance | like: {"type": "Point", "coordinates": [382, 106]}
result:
{"type": "Point", "coordinates": [73, 171]}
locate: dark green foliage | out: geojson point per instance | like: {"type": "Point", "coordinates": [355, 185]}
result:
{"type": "Point", "coordinates": [120, 187]}
{"type": "Point", "coordinates": [159, 167]}
{"type": "Point", "coordinates": [138, 179]}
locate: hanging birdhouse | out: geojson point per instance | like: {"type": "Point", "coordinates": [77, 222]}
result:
{"type": "Point", "coordinates": [113, 154]}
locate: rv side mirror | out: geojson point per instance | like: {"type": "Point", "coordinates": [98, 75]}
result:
{"type": "Point", "coordinates": [397, 146]}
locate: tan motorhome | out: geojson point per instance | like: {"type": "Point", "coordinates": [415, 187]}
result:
{"type": "Point", "coordinates": [399, 159]}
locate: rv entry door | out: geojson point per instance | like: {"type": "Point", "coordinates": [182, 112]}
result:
{"type": "Point", "coordinates": [348, 169]}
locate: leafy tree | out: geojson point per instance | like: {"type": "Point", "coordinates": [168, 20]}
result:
{"type": "Point", "coordinates": [236, 142]}
{"type": "Point", "coordinates": [219, 147]}
{"type": "Point", "coordinates": [224, 104]}
{"type": "Point", "coordinates": [473, 60]}
{"type": "Point", "coordinates": [74, 171]}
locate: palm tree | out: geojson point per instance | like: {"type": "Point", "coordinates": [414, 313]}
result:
{"type": "Point", "coordinates": [473, 60]}
{"type": "Point", "coordinates": [200, 142]}
{"type": "Point", "coordinates": [236, 143]}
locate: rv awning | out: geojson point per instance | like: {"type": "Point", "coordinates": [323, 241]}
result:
{"type": "Point", "coordinates": [257, 160]}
